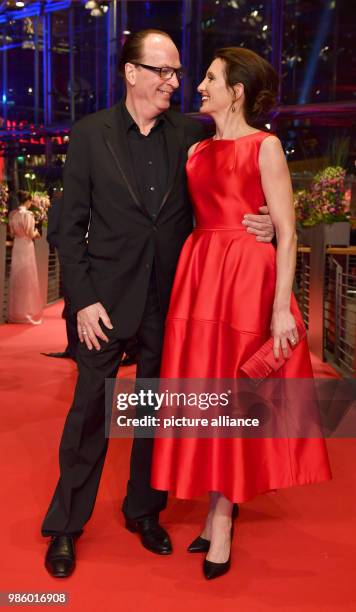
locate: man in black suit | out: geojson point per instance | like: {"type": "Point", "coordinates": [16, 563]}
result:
{"type": "Point", "coordinates": [124, 185]}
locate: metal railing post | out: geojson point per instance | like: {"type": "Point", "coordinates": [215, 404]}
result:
{"type": "Point", "coordinates": [338, 290]}
{"type": "Point", "coordinates": [316, 292]}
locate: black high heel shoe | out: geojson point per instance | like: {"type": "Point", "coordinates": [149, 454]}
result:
{"type": "Point", "coordinates": [201, 545]}
{"type": "Point", "coordinates": [213, 570]}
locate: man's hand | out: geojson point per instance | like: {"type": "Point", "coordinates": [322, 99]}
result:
{"type": "Point", "coordinates": [260, 225]}
{"type": "Point", "coordinates": [89, 329]}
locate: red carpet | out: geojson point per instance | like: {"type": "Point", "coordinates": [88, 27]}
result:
{"type": "Point", "coordinates": [294, 550]}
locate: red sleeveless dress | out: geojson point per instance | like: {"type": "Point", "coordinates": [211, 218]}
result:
{"type": "Point", "coordinates": [219, 315]}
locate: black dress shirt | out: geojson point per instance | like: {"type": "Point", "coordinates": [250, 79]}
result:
{"type": "Point", "coordinates": [149, 160]}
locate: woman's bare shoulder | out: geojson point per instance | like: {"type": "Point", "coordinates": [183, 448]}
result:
{"type": "Point", "coordinates": [271, 148]}
{"type": "Point", "coordinates": [195, 146]}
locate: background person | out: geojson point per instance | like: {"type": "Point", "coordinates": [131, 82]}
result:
{"type": "Point", "coordinates": [25, 302]}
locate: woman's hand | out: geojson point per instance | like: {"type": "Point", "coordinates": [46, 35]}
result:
{"type": "Point", "coordinates": [284, 330]}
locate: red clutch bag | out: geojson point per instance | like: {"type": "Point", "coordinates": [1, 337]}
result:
{"type": "Point", "coordinates": [263, 362]}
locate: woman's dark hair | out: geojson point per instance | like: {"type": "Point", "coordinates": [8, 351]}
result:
{"type": "Point", "coordinates": [258, 77]}
{"type": "Point", "coordinates": [133, 46]}
{"type": "Point", "coordinates": [23, 196]}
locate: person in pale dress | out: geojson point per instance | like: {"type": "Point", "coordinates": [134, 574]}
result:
{"type": "Point", "coordinates": [25, 300]}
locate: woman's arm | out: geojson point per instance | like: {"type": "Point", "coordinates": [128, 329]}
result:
{"type": "Point", "coordinates": [30, 226]}
{"type": "Point", "coordinates": [277, 187]}
{"type": "Point", "coordinates": [11, 224]}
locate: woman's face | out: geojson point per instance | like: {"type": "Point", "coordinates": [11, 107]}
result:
{"type": "Point", "coordinates": [216, 95]}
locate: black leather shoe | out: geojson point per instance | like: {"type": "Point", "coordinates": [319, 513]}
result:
{"type": "Point", "coordinates": [201, 545]}
{"type": "Point", "coordinates": [61, 355]}
{"type": "Point", "coordinates": [60, 556]}
{"type": "Point", "coordinates": [153, 536]}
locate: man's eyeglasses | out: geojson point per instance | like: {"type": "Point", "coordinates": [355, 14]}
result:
{"type": "Point", "coordinates": [165, 72]}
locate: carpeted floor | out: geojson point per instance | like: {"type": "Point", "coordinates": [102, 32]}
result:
{"type": "Point", "coordinates": [294, 550]}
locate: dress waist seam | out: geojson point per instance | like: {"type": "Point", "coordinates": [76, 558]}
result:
{"type": "Point", "coordinates": [238, 228]}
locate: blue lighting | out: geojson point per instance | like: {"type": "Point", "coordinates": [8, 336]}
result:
{"type": "Point", "coordinates": [184, 52]}
{"type": "Point", "coordinates": [314, 54]}
{"type": "Point", "coordinates": [33, 9]}
{"type": "Point", "coordinates": [57, 5]}
{"type": "Point", "coordinates": [29, 11]}
{"type": "Point", "coordinates": [4, 98]}
{"type": "Point", "coordinates": [13, 46]}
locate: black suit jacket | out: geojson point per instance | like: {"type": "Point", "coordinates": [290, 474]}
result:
{"type": "Point", "coordinates": [101, 198]}
{"type": "Point", "coordinates": [53, 221]}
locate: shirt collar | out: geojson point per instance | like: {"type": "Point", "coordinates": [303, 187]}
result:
{"type": "Point", "coordinates": [130, 123]}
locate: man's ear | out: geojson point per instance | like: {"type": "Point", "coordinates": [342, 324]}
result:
{"type": "Point", "coordinates": [130, 73]}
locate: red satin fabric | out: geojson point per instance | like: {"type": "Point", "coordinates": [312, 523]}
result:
{"type": "Point", "coordinates": [219, 315]}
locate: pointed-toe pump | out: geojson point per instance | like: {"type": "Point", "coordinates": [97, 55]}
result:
{"type": "Point", "coordinates": [213, 570]}
{"type": "Point", "coordinates": [201, 545]}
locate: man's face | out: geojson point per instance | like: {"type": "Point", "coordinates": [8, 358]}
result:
{"type": "Point", "coordinates": [147, 87]}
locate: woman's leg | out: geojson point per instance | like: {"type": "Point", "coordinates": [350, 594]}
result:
{"type": "Point", "coordinates": [206, 533]}
{"type": "Point", "coordinates": [220, 528]}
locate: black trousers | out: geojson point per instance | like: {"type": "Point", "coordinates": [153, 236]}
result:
{"type": "Point", "coordinates": [71, 329]}
{"type": "Point", "coordinates": [83, 445]}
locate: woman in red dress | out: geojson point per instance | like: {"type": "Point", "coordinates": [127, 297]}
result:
{"type": "Point", "coordinates": [230, 295]}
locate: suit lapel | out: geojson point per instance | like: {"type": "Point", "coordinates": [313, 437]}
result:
{"type": "Point", "coordinates": [116, 140]}
{"type": "Point", "coordinates": [174, 150]}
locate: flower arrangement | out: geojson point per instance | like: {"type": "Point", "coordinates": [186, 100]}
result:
{"type": "Point", "coordinates": [4, 197]}
{"type": "Point", "coordinates": [40, 205]}
{"type": "Point", "coordinates": [326, 201]}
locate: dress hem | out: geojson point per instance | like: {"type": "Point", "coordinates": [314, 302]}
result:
{"type": "Point", "coordinates": [245, 498]}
